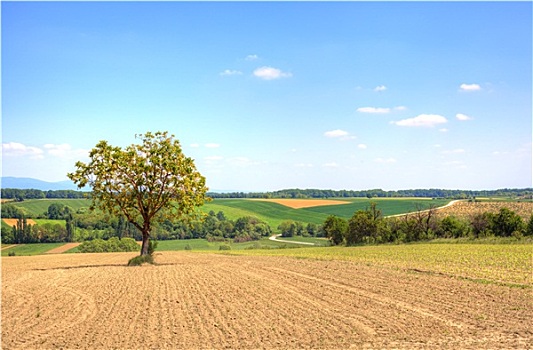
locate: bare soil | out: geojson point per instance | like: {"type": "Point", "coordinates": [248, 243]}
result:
{"type": "Point", "coordinates": [208, 301]}
{"type": "Point", "coordinates": [63, 248]}
{"type": "Point", "coordinates": [303, 203]}
{"type": "Point", "coordinates": [13, 222]}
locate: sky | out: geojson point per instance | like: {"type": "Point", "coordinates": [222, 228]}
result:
{"type": "Point", "coordinates": [275, 95]}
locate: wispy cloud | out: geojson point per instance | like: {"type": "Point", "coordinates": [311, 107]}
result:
{"type": "Point", "coordinates": [336, 133]}
{"type": "Point", "coordinates": [380, 88]}
{"type": "Point", "coordinates": [15, 149]}
{"type": "Point", "coordinates": [362, 146]}
{"type": "Point", "coordinates": [229, 72]}
{"type": "Point", "coordinates": [462, 117]}
{"type": "Point", "coordinates": [423, 120]}
{"type": "Point", "coordinates": [339, 134]}
{"type": "Point", "coordinates": [212, 145]}
{"type": "Point", "coordinates": [251, 58]}
{"type": "Point", "coordinates": [270, 73]}
{"type": "Point", "coordinates": [470, 87]}
{"type": "Point", "coordinates": [330, 165]}
{"type": "Point", "coordinates": [373, 110]}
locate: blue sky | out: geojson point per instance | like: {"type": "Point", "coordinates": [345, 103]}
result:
{"type": "Point", "coordinates": [269, 95]}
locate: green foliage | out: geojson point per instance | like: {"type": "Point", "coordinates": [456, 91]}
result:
{"type": "Point", "coordinates": [31, 249]}
{"type": "Point", "coordinates": [147, 183]}
{"type": "Point", "coordinates": [141, 259]}
{"type": "Point", "coordinates": [507, 223]}
{"type": "Point", "coordinates": [12, 253]}
{"type": "Point", "coordinates": [335, 229]}
{"type": "Point", "coordinates": [529, 228]}
{"type": "Point", "coordinates": [187, 247]}
{"type": "Point", "coordinates": [152, 246]}
{"type": "Point", "coordinates": [112, 245]}
{"type": "Point", "coordinates": [224, 247]}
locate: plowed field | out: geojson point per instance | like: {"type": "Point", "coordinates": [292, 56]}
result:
{"type": "Point", "coordinates": [303, 203]}
{"type": "Point", "coordinates": [202, 301]}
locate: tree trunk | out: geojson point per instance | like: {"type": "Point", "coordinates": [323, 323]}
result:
{"type": "Point", "coordinates": [146, 243]}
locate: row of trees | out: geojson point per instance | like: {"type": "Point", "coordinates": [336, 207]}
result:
{"type": "Point", "coordinates": [369, 226]}
{"type": "Point", "coordinates": [22, 194]}
{"type": "Point", "coordinates": [425, 193]}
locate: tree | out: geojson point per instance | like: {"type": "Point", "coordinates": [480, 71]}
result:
{"type": "Point", "coordinates": [335, 228]}
{"type": "Point", "coordinates": [147, 182]}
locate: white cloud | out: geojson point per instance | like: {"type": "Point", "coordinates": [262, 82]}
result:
{"type": "Point", "coordinates": [361, 146]}
{"type": "Point", "coordinates": [373, 110]}
{"type": "Point", "coordinates": [443, 130]}
{"type": "Point", "coordinates": [423, 120]}
{"type": "Point", "coordinates": [380, 88]}
{"type": "Point", "coordinates": [400, 108]}
{"type": "Point", "coordinates": [251, 58]}
{"type": "Point", "coordinates": [336, 133]}
{"type": "Point", "coordinates": [270, 73]}
{"type": "Point", "coordinates": [462, 117]}
{"type": "Point", "coordinates": [15, 149]}
{"type": "Point", "coordinates": [385, 160]}
{"type": "Point", "coordinates": [470, 87]}
{"type": "Point", "coordinates": [330, 165]}
{"type": "Point", "coordinates": [229, 72]}
{"type": "Point", "coordinates": [212, 145]}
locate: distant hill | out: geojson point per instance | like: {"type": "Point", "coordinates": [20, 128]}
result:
{"type": "Point", "coordinates": [29, 183]}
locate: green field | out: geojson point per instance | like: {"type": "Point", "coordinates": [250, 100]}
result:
{"type": "Point", "coordinates": [35, 207]}
{"type": "Point", "coordinates": [30, 249]}
{"type": "Point", "coordinates": [271, 213]}
{"type": "Point", "coordinates": [274, 213]}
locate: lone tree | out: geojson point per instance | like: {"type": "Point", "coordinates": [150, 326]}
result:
{"type": "Point", "coordinates": [146, 183]}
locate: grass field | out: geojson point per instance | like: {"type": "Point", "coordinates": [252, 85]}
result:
{"type": "Point", "coordinates": [31, 249]}
{"type": "Point", "coordinates": [272, 213]}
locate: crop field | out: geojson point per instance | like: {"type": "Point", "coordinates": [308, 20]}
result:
{"type": "Point", "coordinates": [466, 209]}
{"type": "Point", "coordinates": [218, 301]}
{"type": "Point", "coordinates": [274, 213]}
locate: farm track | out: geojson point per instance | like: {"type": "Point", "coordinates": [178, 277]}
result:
{"type": "Point", "coordinates": [199, 301]}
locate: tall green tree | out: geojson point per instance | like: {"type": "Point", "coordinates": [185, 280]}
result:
{"type": "Point", "coordinates": [147, 183]}
{"type": "Point", "coordinates": [335, 228]}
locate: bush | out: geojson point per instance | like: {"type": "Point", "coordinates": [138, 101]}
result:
{"type": "Point", "coordinates": [112, 245]}
{"type": "Point", "coordinates": [141, 259]}
{"type": "Point", "coordinates": [11, 253]}
{"type": "Point", "coordinates": [187, 247]}
{"type": "Point", "coordinates": [224, 247]}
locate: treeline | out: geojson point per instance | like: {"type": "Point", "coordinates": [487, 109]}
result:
{"type": "Point", "coordinates": [22, 194]}
{"type": "Point", "coordinates": [92, 225]}
{"type": "Point", "coordinates": [378, 193]}
{"type": "Point", "coordinates": [370, 227]}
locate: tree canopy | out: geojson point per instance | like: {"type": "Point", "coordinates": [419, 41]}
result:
{"type": "Point", "coordinates": [147, 182]}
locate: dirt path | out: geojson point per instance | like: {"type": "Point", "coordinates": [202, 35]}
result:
{"type": "Point", "coordinates": [207, 301]}
{"type": "Point", "coordinates": [275, 239]}
{"type": "Point", "coordinates": [65, 247]}
{"type": "Point", "coordinates": [4, 247]}
{"type": "Point", "coordinates": [425, 211]}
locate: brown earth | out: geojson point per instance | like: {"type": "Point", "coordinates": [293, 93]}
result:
{"type": "Point", "coordinates": [303, 203]}
{"type": "Point", "coordinates": [468, 209]}
{"type": "Point", "coordinates": [208, 301]}
{"type": "Point", "coordinates": [13, 222]}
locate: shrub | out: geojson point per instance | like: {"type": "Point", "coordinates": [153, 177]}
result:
{"type": "Point", "coordinates": [112, 245]}
{"type": "Point", "coordinates": [187, 247]}
{"type": "Point", "coordinates": [141, 259]}
{"type": "Point", "coordinates": [224, 247]}
{"type": "Point", "coordinates": [12, 253]}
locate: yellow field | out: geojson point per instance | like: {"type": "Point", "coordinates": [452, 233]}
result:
{"type": "Point", "coordinates": [303, 203]}
{"type": "Point", "coordinates": [208, 301]}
